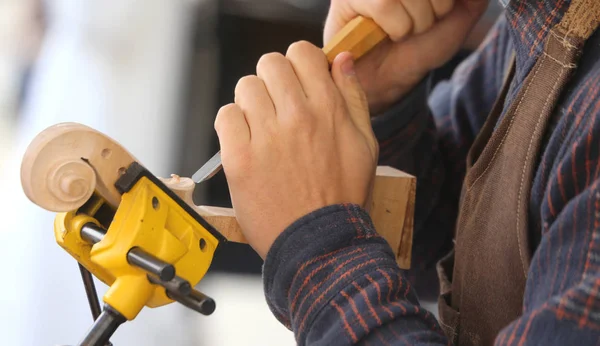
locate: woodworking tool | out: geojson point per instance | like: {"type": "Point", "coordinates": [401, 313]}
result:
{"type": "Point", "coordinates": [209, 169]}
{"type": "Point", "coordinates": [358, 37]}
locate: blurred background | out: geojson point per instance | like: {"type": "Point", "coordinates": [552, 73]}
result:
{"type": "Point", "coordinates": [152, 75]}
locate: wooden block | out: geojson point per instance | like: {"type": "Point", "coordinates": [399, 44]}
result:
{"type": "Point", "coordinates": [392, 210]}
{"type": "Point", "coordinates": [66, 163]}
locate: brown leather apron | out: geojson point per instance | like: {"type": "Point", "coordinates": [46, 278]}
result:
{"type": "Point", "coordinates": [483, 280]}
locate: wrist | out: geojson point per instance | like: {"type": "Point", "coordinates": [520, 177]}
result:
{"type": "Point", "coordinates": [384, 98]}
{"type": "Point", "coordinates": [379, 102]}
{"type": "Point", "coordinates": [403, 112]}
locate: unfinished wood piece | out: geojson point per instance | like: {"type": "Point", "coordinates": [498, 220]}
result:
{"type": "Point", "coordinates": [65, 163]}
{"type": "Point", "coordinates": [358, 37]}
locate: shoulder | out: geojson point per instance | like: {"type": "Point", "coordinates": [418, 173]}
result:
{"type": "Point", "coordinates": [571, 161]}
{"type": "Point", "coordinates": [491, 59]}
{"type": "Point", "coordinates": [478, 79]}
{"type": "Point", "coordinates": [580, 108]}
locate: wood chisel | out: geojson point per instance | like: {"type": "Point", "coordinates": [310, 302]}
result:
{"type": "Point", "coordinates": [358, 37]}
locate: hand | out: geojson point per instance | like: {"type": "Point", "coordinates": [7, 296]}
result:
{"type": "Point", "coordinates": [424, 34]}
{"type": "Point", "coordinates": [296, 139]}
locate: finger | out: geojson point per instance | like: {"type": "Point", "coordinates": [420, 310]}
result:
{"type": "Point", "coordinates": [311, 66]}
{"type": "Point", "coordinates": [281, 81]}
{"type": "Point", "coordinates": [337, 17]}
{"type": "Point", "coordinates": [390, 15]}
{"type": "Point", "coordinates": [442, 7]}
{"type": "Point", "coordinates": [253, 99]}
{"type": "Point", "coordinates": [233, 130]}
{"type": "Point", "coordinates": [421, 12]}
{"type": "Point", "coordinates": [347, 82]}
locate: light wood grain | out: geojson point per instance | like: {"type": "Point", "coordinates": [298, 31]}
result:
{"type": "Point", "coordinates": [66, 163]}
{"type": "Point", "coordinates": [358, 37]}
{"type": "Point", "coordinates": [392, 210]}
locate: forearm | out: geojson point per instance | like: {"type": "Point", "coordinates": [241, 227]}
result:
{"type": "Point", "coordinates": [334, 281]}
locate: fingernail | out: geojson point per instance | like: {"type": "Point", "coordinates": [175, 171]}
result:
{"type": "Point", "coordinates": [348, 67]}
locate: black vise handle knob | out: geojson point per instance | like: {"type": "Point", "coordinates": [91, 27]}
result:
{"type": "Point", "coordinates": [196, 301]}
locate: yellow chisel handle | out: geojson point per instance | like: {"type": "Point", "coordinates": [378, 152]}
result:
{"type": "Point", "coordinates": [358, 37]}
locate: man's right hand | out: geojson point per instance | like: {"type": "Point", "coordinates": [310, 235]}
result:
{"type": "Point", "coordinates": [424, 34]}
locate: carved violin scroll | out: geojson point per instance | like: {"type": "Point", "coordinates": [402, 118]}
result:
{"type": "Point", "coordinates": [70, 183]}
{"type": "Point", "coordinates": [65, 163]}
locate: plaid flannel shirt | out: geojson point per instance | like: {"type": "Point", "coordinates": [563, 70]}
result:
{"type": "Point", "coordinates": [333, 280]}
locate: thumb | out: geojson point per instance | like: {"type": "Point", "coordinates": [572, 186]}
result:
{"type": "Point", "coordinates": [346, 80]}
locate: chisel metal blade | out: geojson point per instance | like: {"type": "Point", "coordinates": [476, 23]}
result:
{"type": "Point", "coordinates": [209, 169]}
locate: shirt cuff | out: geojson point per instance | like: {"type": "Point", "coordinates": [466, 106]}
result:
{"type": "Point", "coordinates": [307, 243]}
{"type": "Point", "coordinates": [386, 124]}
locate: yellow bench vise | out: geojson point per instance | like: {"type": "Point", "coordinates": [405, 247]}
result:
{"type": "Point", "coordinates": [151, 250]}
